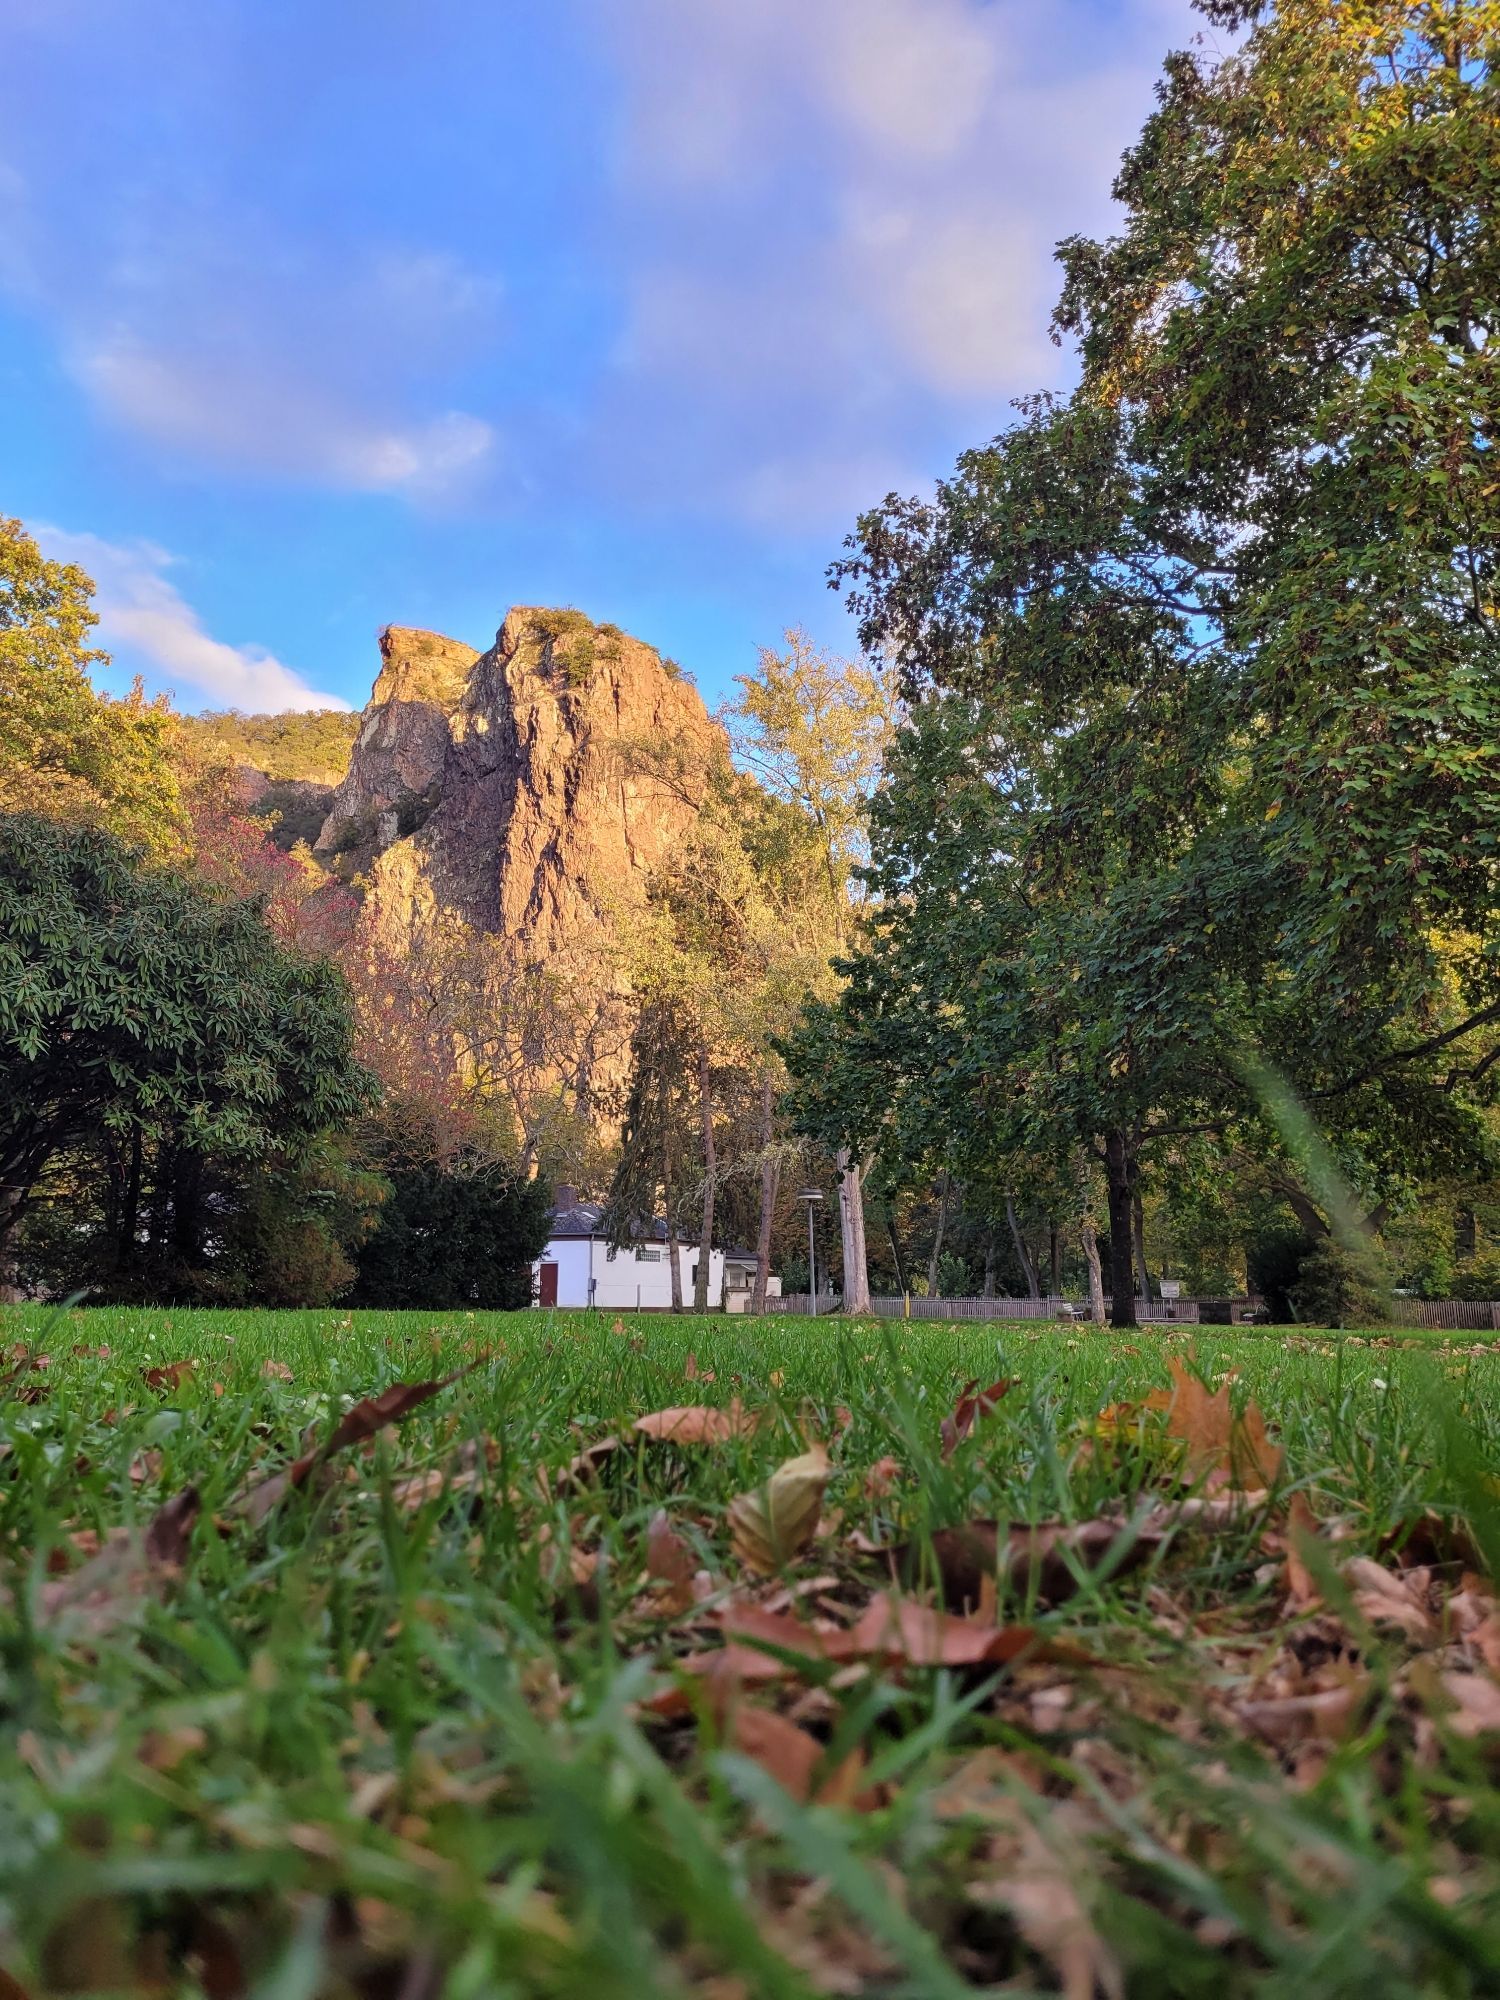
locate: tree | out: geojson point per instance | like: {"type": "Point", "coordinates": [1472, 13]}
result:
{"type": "Point", "coordinates": [814, 730]}
{"type": "Point", "coordinates": [135, 1000]}
{"type": "Point", "coordinates": [87, 758]}
{"type": "Point", "coordinates": [1221, 630]}
{"type": "Point", "coordinates": [461, 1234]}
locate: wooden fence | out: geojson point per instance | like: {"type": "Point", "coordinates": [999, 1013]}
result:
{"type": "Point", "coordinates": [1477, 1315]}
{"type": "Point", "coordinates": [1480, 1315]}
{"type": "Point", "coordinates": [1172, 1311]}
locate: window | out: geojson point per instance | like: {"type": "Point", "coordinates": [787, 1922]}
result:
{"type": "Point", "coordinates": [648, 1256]}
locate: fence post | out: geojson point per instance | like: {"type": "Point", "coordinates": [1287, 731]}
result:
{"type": "Point", "coordinates": [906, 1305]}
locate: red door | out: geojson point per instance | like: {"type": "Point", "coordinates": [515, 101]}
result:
{"type": "Point", "coordinates": [548, 1295]}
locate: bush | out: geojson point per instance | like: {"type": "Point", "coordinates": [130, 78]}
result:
{"type": "Point", "coordinates": [464, 1235]}
{"type": "Point", "coordinates": [1338, 1286]}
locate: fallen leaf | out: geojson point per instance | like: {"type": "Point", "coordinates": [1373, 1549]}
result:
{"type": "Point", "coordinates": [772, 1523]}
{"type": "Point", "coordinates": [1322, 1715]}
{"type": "Point", "coordinates": [899, 1629]}
{"type": "Point", "coordinates": [366, 1418]}
{"type": "Point", "coordinates": [1036, 1880]}
{"type": "Point", "coordinates": [693, 1373]}
{"type": "Point", "coordinates": [1392, 1598]}
{"type": "Point", "coordinates": [973, 1403]}
{"type": "Point", "coordinates": [1050, 1552]}
{"type": "Point", "coordinates": [275, 1371]}
{"type": "Point", "coordinates": [697, 1423]}
{"type": "Point", "coordinates": [171, 1376]}
{"type": "Point", "coordinates": [672, 1563]}
{"type": "Point", "coordinates": [1302, 1528]}
{"type": "Point", "coordinates": [1476, 1700]}
{"type": "Point", "coordinates": [129, 1570]}
{"type": "Point", "coordinates": [882, 1478]}
{"type": "Point", "coordinates": [1235, 1450]}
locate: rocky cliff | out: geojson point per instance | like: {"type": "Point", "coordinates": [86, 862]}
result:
{"type": "Point", "coordinates": [529, 790]}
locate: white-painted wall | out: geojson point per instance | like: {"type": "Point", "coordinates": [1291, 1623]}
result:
{"type": "Point", "coordinates": [626, 1280]}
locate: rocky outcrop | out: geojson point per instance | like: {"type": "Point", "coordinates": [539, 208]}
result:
{"type": "Point", "coordinates": [529, 790]}
{"type": "Point", "coordinates": [396, 766]}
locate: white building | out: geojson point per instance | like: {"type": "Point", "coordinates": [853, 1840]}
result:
{"type": "Point", "coordinates": [578, 1268]}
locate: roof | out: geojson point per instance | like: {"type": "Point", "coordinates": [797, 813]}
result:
{"type": "Point", "coordinates": [586, 1219]}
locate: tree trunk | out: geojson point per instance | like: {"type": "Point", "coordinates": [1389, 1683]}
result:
{"type": "Point", "coordinates": [1028, 1268]}
{"type": "Point", "coordinates": [1054, 1251]}
{"type": "Point", "coordinates": [890, 1230]}
{"type": "Point", "coordinates": [710, 1167]}
{"type": "Point", "coordinates": [129, 1218]}
{"type": "Point", "coordinates": [852, 1228]}
{"type": "Point", "coordinates": [1120, 1169]}
{"type": "Point", "coordinates": [11, 1199]}
{"type": "Point", "coordinates": [1096, 1276]}
{"type": "Point", "coordinates": [1138, 1232]}
{"type": "Point", "coordinates": [1465, 1235]}
{"type": "Point", "coordinates": [937, 1236]}
{"type": "Point", "coordinates": [674, 1259]}
{"type": "Point", "coordinates": [769, 1175]}
{"type": "Point", "coordinates": [989, 1266]}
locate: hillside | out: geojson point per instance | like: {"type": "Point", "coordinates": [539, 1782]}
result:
{"type": "Point", "coordinates": [312, 746]}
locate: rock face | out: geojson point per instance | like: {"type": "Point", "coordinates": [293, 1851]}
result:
{"type": "Point", "coordinates": [529, 790]}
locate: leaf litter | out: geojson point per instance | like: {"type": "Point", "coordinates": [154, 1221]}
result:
{"type": "Point", "coordinates": [781, 1620]}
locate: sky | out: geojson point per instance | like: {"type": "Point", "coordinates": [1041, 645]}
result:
{"type": "Point", "coordinates": [322, 315]}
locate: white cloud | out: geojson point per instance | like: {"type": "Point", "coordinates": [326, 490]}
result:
{"type": "Point", "coordinates": [216, 406]}
{"type": "Point", "coordinates": [143, 615]}
{"type": "Point", "coordinates": [839, 212]}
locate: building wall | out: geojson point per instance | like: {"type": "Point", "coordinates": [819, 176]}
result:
{"type": "Point", "coordinates": [623, 1282]}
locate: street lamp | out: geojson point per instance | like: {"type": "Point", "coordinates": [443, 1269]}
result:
{"type": "Point", "coordinates": [812, 1196]}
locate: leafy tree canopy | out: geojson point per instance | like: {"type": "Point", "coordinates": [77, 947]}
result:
{"type": "Point", "coordinates": [84, 756]}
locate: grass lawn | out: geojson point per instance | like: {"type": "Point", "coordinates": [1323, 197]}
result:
{"type": "Point", "coordinates": [468, 1709]}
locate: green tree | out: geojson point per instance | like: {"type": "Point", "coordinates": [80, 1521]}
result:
{"type": "Point", "coordinates": [108, 763]}
{"type": "Point", "coordinates": [135, 1000]}
{"type": "Point", "coordinates": [463, 1232]}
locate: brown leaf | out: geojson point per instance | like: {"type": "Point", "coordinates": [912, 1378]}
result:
{"type": "Point", "coordinates": [368, 1417]}
{"type": "Point", "coordinates": [973, 1403]}
{"type": "Point", "coordinates": [170, 1376]}
{"type": "Point", "coordinates": [1036, 1880]}
{"type": "Point", "coordinates": [20, 1383]}
{"type": "Point", "coordinates": [670, 1560]}
{"type": "Point", "coordinates": [968, 1557]}
{"type": "Point", "coordinates": [772, 1523]}
{"type": "Point", "coordinates": [1322, 1715]}
{"type": "Point", "coordinates": [882, 1478]}
{"type": "Point", "coordinates": [1476, 1700]}
{"type": "Point", "coordinates": [1234, 1450]}
{"type": "Point", "coordinates": [901, 1630]}
{"type": "Point", "coordinates": [1302, 1528]}
{"type": "Point", "coordinates": [128, 1570]}
{"type": "Point", "coordinates": [1392, 1598]}
{"type": "Point", "coordinates": [275, 1371]}
{"type": "Point", "coordinates": [696, 1423]}
{"type": "Point", "coordinates": [790, 1754]}
{"type": "Point", "coordinates": [693, 1373]}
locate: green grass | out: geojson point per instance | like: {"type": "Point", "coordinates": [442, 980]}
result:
{"type": "Point", "coordinates": [364, 1749]}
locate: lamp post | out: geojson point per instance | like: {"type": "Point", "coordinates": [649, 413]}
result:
{"type": "Point", "coordinates": [812, 1196]}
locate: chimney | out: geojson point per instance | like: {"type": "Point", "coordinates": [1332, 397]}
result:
{"type": "Point", "coordinates": [564, 1197]}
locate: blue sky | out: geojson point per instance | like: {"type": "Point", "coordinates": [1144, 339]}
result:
{"type": "Point", "coordinates": [318, 315]}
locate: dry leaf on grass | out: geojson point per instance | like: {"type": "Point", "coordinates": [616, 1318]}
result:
{"type": "Point", "coordinates": [882, 1478]}
{"type": "Point", "coordinates": [1035, 1878]}
{"type": "Point", "coordinates": [1220, 1446]}
{"type": "Point", "coordinates": [366, 1418]}
{"type": "Point", "coordinates": [670, 1562]}
{"type": "Point", "coordinates": [20, 1383]}
{"type": "Point", "coordinates": [275, 1371]}
{"type": "Point", "coordinates": [696, 1423]}
{"type": "Point", "coordinates": [772, 1523]}
{"type": "Point", "coordinates": [128, 1570]}
{"type": "Point", "coordinates": [693, 1373]}
{"type": "Point", "coordinates": [1391, 1598]}
{"type": "Point", "coordinates": [171, 1375]}
{"type": "Point", "coordinates": [1476, 1704]}
{"type": "Point", "coordinates": [973, 1403]}
{"type": "Point", "coordinates": [968, 1557]}
{"type": "Point", "coordinates": [793, 1756]}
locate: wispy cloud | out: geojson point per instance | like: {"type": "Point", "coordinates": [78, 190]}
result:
{"type": "Point", "coordinates": [216, 406]}
{"type": "Point", "coordinates": [143, 615]}
{"type": "Point", "coordinates": [846, 211]}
